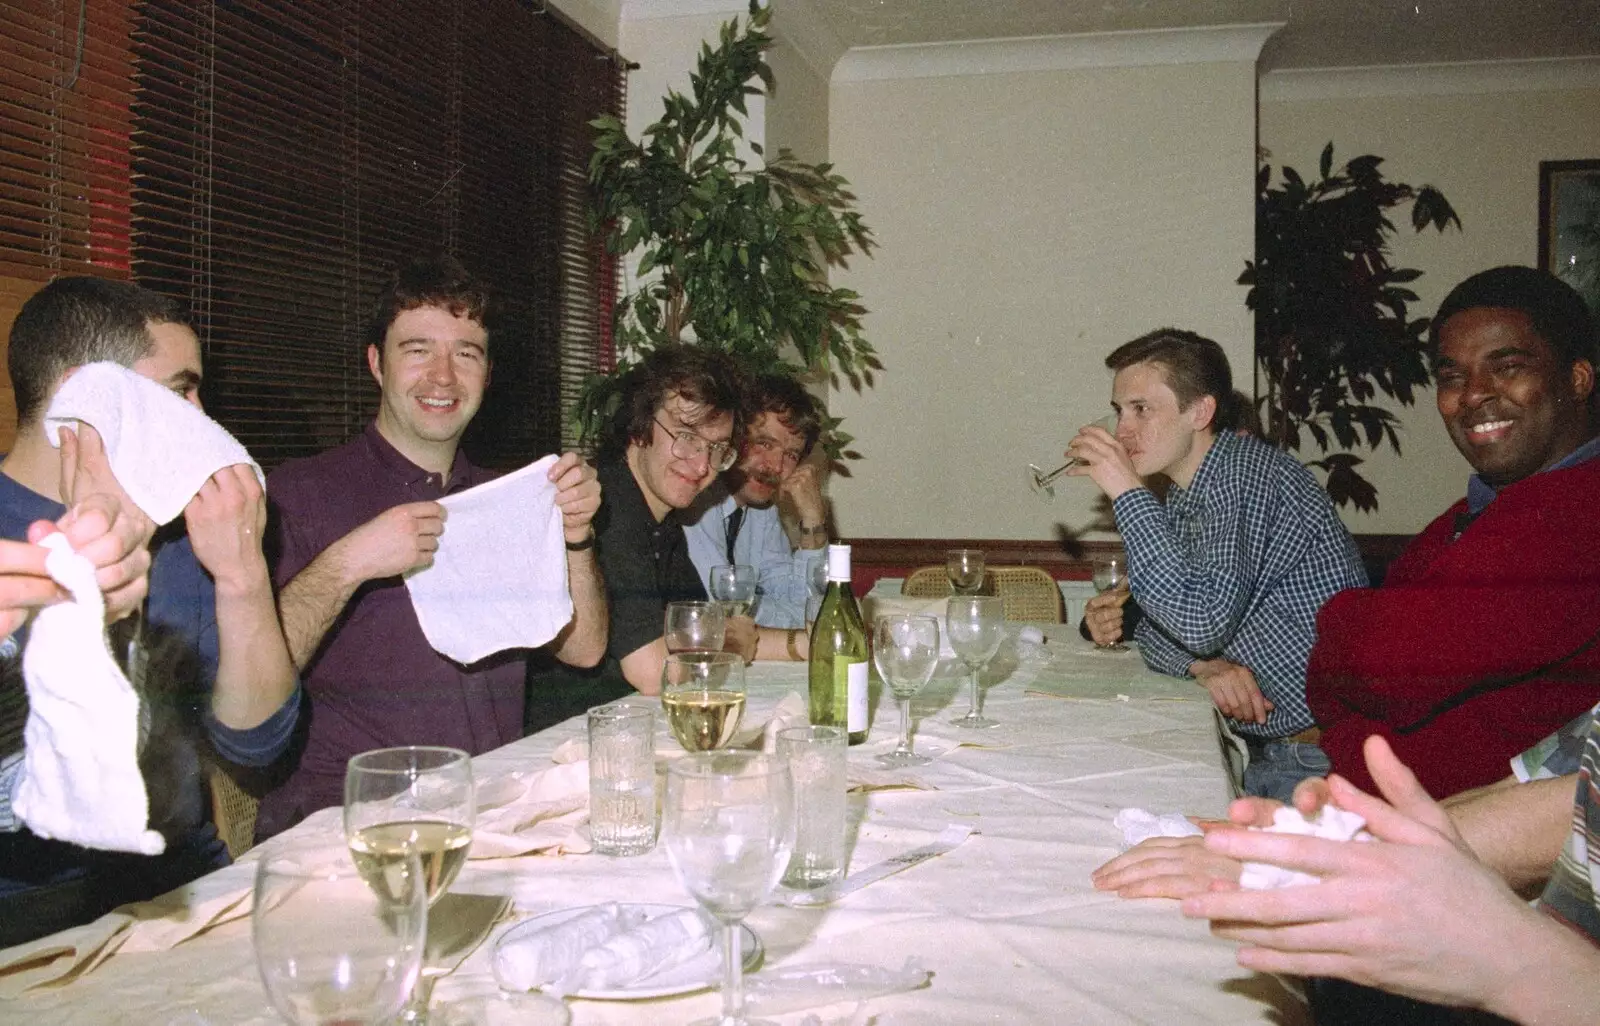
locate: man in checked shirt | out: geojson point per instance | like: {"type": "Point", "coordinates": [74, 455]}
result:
{"type": "Point", "coordinates": [1229, 572]}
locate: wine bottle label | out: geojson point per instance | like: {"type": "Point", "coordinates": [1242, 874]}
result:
{"type": "Point", "coordinates": [855, 685]}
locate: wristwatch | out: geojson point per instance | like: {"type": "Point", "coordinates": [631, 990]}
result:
{"type": "Point", "coordinates": [580, 546]}
{"type": "Point", "coordinates": [813, 532]}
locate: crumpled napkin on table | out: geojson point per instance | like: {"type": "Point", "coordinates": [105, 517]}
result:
{"type": "Point", "coordinates": [544, 818]}
{"type": "Point", "coordinates": [1330, 823]}
{"type": "Point", "coordinates": [1138, 826]}
{"type": "Point", "coordinates": [604, 948]}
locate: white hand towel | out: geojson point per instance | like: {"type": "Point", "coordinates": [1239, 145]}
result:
{"type": "Point", "coordinates": [1139, 825]}
{"type": "Point", "coordinates": [161, 448]}
{"type": "Point", "coordinates": [81, 780]}
{"type": "Point", "coordinates": [499, 578]}
{"type": "Point", "coordinates": [1330, 823]}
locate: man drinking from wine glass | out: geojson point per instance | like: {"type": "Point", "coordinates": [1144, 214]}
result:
{"type": "Point", "coordinates": [736, 519]}
{"type": "Point", "coordinates": [672, 434]}
{"type": "Point", "coordinates": [350, 522]}
{"type": "Point", "coordinates": [1231, 569]}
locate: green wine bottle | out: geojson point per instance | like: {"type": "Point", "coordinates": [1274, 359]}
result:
{"type": "Point", "coordinates": [839, 656]}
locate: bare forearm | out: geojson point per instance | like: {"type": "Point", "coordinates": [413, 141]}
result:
{"type": "Point", "coordinates": [582, 642]}
{"type": "Point", "coordinates": [1517, 830]}
{"type": "Point", "coordinates": [1553, 982]}
{"type": "Point", "coordinates": [254, 672]}
{"type": "Point", "coordinates": [310, 603]}
{"type": "Point", "coordinates": [642, 667]}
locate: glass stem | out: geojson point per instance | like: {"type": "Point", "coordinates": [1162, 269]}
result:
{"type": "Point", "coordinates": [732, 975]}
{"type": "Point", "coordinates": [905, 726]}
{"type": "Point", "coordinates": [977, 696]}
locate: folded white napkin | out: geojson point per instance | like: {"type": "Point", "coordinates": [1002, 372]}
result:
{"type": "Point", "coordinates": [499, 578]}
{"type": "Point", "coordinates": [1330, 823]}
{"type": "Point", "coordinates": [81, 780]}
{"type": "Point", "coordinates": [161, 448]}
{"type": "Point", "coordinates": [1138, 826]}
{"type": "Point", "coordinates": [601, 948]}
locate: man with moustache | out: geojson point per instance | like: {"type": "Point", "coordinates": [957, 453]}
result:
{"type": "Point", "coordinates": [671, 435]}
{"type": "Point", "coordinates": [351, 522]}
{"type": "Point", "coordinates": [736, 519]}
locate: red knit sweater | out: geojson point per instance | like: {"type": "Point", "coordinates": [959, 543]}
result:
{"type": "Point", "coordinates": [1517, 592]}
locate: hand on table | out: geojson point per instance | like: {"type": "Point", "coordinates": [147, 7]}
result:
{"type": "Point", "coordinates": [399, 539]}
{"type": "Point", "coordinates": [1167, 867]}
{"type": "Point", "coordinates": [741, 638]}
{"type": "Point", "coordinates": [1418, 915]}
{"type": "Point", "coordinates": [1103, 615]}
{"type": "Point", "coordinates": [1103, 460]}
{"type": "Point", "coordinates": [577, 495]}
{"type": "Point", "coordinates": [1233, 688]}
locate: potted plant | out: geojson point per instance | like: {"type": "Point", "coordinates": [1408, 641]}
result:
{"type": "Point", "coordinates": [1333, 328]}
{"type": "Point", "coordinates": [733, 252]}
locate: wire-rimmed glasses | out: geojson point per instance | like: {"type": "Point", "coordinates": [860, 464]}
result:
{"type": "Point", "coordinates": [687, 445]}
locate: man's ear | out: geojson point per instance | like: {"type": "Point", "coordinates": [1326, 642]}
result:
{"type": "Point", "coordinates": [1202, 413]}
{"type": "Point", "coordinates": [1582, 380]}
{"type": "Point", "coordinates": [375, 363]}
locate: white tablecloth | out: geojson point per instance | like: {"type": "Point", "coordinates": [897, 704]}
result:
{"type": "Point", "coordinates": [1007, 921]}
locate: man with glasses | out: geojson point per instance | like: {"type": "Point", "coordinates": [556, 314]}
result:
{"type": "Point", "coordinates": [736, 519]}
{"type": "Point", "coordinates": [671, 435]}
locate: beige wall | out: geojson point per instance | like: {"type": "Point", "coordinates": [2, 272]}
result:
{"type": "Point", "coordinates": [797, 112]}
{"type": "Point", "coordinates": [1029, 223]}
{"type": "Point", "coordinates": [1477, 134]}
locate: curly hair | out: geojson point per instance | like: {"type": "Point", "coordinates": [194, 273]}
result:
{"type": "Point", "coordinates": [701, 376]}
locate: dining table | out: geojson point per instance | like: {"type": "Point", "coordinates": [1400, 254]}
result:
{"type": "Point", "coordinates": [1005, 926]}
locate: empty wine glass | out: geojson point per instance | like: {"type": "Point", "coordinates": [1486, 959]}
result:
{"type": "Point", "coordinates": [335, 944]}
{"type": "Point", "coordinates": [1110, 573]}
{"type": "Point", "coordinates": [964, 567]}
{"type": "Point", "coordinates": [728, 827]}
{"type": "Point", "coordinates": [418, 801]}
{"type": "Point", "coordinates": [1043, 482]}
{"type": "Point", "coordinates": [976, 626]}
{"type": "Point", "coordinates": [694, 627]}
{"type": "Point", "coordinates": [702, 695]}
{"type": "Point", "coordinates": [734, 585]}
{"type": "Point", "coordinates": [906, 651]}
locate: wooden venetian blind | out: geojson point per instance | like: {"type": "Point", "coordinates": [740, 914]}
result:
{"type": "Point", "coordinates": [287, 155]}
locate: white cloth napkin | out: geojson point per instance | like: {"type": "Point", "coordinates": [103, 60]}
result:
{"type": "Point", "coordinates": [499, 578]}
{"type": "Point", "coordinates": [81, 780]}
{"type": "Point", "coordinates": [161, 448]}
{"type": "Point", "coordinates": [606, 947]}
{"type": "Point", "coordinates": [1138, 826]}
{"type": "Point", "coordinates": [1330, 823]}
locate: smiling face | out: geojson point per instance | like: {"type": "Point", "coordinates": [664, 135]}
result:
{"type": "Point", "coordinates": [433, 369]}
{"type": "Point", "coordinates": [1160, 437]}
{"type": "Point", "coordinates": [1512, 405]}
{"type": "Point", "coordinates": [771, 453]}
{"type": "Point", "coordinates": [669, 481]}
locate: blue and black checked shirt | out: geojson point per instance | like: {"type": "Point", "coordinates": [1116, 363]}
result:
{"type": "Point", "coordinates": [1236, 566]}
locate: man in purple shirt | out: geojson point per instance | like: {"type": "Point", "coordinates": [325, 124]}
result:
{"type": "Point", "coordinates": [350, 522]}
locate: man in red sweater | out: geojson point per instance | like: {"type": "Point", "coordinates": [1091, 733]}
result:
{"type": "Point", "coordinates": [1485, 636]}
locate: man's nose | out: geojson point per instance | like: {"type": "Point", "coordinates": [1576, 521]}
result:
{"type": "Point", "coordinates": [442, 370]}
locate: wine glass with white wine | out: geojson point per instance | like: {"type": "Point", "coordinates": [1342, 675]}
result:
{"type": "Point", "coordinates": [703, 695]}
{"type": "Point", "coordinates": [964, 567]}
{"type": "Point", "coordinates": [416, 800]}
{"type": "Point", "coordinates": [1043, 482]}
{"type": "Point", "coordinates": [906, 651]}
{"type": "Point", "coordinates": [1110, 573]}
{"type": "Point", "coordinates": [734, 585]}
{"type": "Point", "coordinates": [976, 626]}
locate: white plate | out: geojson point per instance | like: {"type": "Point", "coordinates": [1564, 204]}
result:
{"type": "Point", "coordinates": [700, 972]}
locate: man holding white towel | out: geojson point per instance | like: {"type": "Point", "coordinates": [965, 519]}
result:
{"type": "Point", "coordinates": [350, 522]}
{"type": "Point", "coordinates": [218, 668]}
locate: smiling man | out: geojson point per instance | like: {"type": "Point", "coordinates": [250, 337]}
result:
{"type": "Point", "coordinates": [736, 519]}
{"type": "Point", "coordinates": [1482, 639]}
{"type": "Point", "coordinates": [349, 523]}
{"type": "Point", "coordinates": [671, 436]}
{"type": "Point", "coordinates": [1231, 569]}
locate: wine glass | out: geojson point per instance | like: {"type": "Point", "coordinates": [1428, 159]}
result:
{"type": "Point", "coordinates": [964, 567]}
{"type": "Point", "coordinates": [694, 627]}
{"type": "Point", "coordinates": [906, 651]}
{"type": "Point", "coordinates": [1110, 573]}
{"type": "Point", "coordinates": [976, 626]}
{"type": "Point", "coordinates": [1043, 482]}
{"type": "Point", "coordinates": [734, 585]}
{"type": "Point", "coordinates": [702, 694]}
{"type": "Point", "coordinates": [414, 800]}
{"type": "Point", "coordinates": [336, 944]}
{"type": "Point", "coordinates": [728, 827]}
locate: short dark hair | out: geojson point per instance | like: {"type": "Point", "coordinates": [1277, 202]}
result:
{"type": "Point", "coordinates": [80, 320]}
{"type": "Point", "coordinates": [698, 374]}
{"type": "Point", "coordinates": [437, 279]}
{"type": "Point", "coordinates": [1558, 314]}
{"type": "Point", "coordinates": [1193, 365]}
{"type": "Point", "coordinates": [789, 401]}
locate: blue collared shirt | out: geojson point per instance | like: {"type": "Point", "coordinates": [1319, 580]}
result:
{"type": "Point", "coordinates": [785, 573]}
{"type": "Point", "coordinates": [1480, 492]}
{"type": "Point", "coordinates": [1236, 566]}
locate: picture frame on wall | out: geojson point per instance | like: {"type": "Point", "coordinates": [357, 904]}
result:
{"type": "Point", "coordinates": [1569, 225]}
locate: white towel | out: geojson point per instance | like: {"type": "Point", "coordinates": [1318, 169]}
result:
{"type": "Point", "coordinates": [1139, 825]}
{"type": "Point", "coordinates": [499, 578]}
{"type": "Point", "coordinates": [81, 780]}
{"type": "Point", "coordinates": [1329, 822]}
{"type": "Point", "coordinates": [161, 448]}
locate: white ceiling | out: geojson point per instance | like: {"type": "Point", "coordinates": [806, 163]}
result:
{"type": "Point", "coordinates": [1317, 33]}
